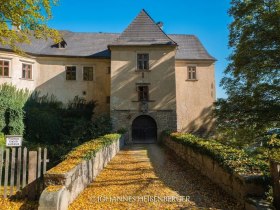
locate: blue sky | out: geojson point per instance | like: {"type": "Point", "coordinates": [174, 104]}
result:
{"type": "Point", "coordinates": [208, 20]}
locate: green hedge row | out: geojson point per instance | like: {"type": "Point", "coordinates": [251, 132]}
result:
{"type": "Point", "coordinates": [231, 159]}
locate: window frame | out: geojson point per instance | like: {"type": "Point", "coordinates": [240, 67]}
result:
{"type": "Point", "coordinates": [141, 97]}
{"type": "Point", "coordinates": [108, 99]}
{"type": "Point", "coordinates": [3, 67]}
{"type": "Point", "coordinates": [93, 73]}
{"type": "Point", "coordinates": [143, 60]}
{"type": "Point", "coordinates": [192, 72]}
{"type": "Point", "coordinates": [70, 79]}
{"type": "Point", "coordinates": [109, 70]}
{"type": "Point", "coordinates": [26, 71]}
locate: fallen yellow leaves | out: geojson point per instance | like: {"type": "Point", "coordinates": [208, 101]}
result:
{"type": "Point", "coordinates": [143, 177]}
{"type": "Point", "coordinates": [84, 151]}
{"type": "Point", "coordinates": [13, 204]}
{"type": "Point", "coordinates": [53, 188]}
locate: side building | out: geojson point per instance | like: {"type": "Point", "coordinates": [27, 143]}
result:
{"type": "Point", "coordinates": [146, 80]}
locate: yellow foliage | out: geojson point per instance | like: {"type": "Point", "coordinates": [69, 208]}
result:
{"type": "Point", "coordinates": [12, 204]}
{"type": "Point", "coordinates": [128, 182]}
{"type": "Point", "coordinates": [82, 152]}
{"type": "Point", "coordinates": [53, 188]}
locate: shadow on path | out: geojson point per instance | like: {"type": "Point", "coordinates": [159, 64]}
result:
{"type": "Point", "coordinates": [186, 180]}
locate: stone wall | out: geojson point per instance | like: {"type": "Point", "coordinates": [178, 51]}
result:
{"type": "Point", "coordinates": [165, 120]}
{"type": "Point", "coordinates": [239, 186]}
{"type": "Point", "coordinates": [62, 189]}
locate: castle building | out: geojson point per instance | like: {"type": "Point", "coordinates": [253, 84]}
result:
{"type": "Point", "coordinates": [147, 80]}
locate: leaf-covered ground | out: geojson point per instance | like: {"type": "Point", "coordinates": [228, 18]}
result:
{"type": "Point", "coordinates": [21, 204]}
{"type": "Point", "coordinates": [147, 177]}
{"type": "Point", "coordinates": [13, 203]}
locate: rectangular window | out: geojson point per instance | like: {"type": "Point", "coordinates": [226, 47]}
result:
{"type": "Point", "coordinates": [143, 61]}
{"type": "Point", "coordinates": [88, 73]}
{"type": "Point", "coordinates": [70, 72]}
{"type": "Point", "coordinates": [143, 93]}
{"type": "Point", "coordinates": [26, 71]}
{"type": "Point", "coordinates": [4, 68]}
{"type": "Point", "coordinates": [108, 99]}
{"type": "Point", "coordinates": [192, 72]}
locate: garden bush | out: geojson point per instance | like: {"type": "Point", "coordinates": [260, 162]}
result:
{"type": "Point", "coordinates": [12, 101]}
{"type": "Point", "coordinates": [46, 122]}
{"type": "Point", "coordinates": [49, 123]}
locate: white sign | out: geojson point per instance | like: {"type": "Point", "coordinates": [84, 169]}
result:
{"type": "Point", "coordinates": [13, 141]}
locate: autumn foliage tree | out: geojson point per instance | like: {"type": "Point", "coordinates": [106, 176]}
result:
{"type": "Point", "coordinates": [252, 78]}
{"type": "Point", "coordinates": [29, 18]}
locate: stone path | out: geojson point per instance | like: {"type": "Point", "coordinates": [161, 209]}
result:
{"type": "Point", "coordinates": [148, 177]}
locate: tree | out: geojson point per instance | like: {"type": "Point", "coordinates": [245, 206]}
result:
{"type": "Point", "coordinates": [29, 18]}
{"type": "Point", "coordinates": [252, 78]}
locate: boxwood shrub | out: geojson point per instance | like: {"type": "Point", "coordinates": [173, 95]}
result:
{"type": "Point", "coordinates": [231, 159]}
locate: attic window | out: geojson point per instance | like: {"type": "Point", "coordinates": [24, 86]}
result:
{"type": "Point", "coordinates": [60, 45]}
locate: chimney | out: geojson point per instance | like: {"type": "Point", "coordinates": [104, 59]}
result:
{"type": "Point", "coordinates": [160, 24]}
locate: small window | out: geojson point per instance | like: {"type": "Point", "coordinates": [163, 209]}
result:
{"type": "Point", "coordinates": [88, 73]}
{"type": "Point", "coordinates": [26, 71]}
{"type": "Point", "coordinates": [143, 61]}
{"type": "Point", "coordinates": [108, 99]}
{"type": "Point", "coordinates": [70, 72]}
{"type": "Point", "coordinates": [109, 70]}
{"type": "Point", "coordinates": [4, 68]}
{"type": "Point", "coordinates": [143, 93]}
{"type": "Point", "coordinates": [192, 73]}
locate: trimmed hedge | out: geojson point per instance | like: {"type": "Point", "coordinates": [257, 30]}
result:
{"type": "Point", "coordinates": [231, 159]}
{"type": "Point", "coordinates": [84, 152]}
{"type": "Point", "coordinates": [12, 102]}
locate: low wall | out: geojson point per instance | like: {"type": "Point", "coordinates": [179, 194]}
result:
{"type": "Point", "coordinates": [63, 188]}
{"type": "Point", "coordinates": [239, 186]}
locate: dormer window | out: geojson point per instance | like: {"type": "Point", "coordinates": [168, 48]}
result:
{"type": "Point", "coordinates": [60, 45]}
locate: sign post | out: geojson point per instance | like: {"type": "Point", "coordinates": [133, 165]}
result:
{"type": "Point", "coordinates": [13, 141]}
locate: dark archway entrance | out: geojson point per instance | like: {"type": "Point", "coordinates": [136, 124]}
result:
{"type": "Point", "coordinates": [144, 129]}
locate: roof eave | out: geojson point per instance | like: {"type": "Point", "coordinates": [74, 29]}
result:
{"type": "Point", "coordinates": [189, 59]}
{"type": "Point", "coordinates": [142, 45]}
{"type": "Point", "coordinates": [58, 56]}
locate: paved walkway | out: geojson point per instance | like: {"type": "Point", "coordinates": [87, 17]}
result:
{"type": "Point", "coordinates": [148, 177]}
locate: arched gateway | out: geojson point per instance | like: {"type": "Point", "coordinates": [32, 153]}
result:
{"type": "Point", "coordinates": [144, 129]}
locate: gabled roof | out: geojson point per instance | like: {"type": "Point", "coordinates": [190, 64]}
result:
{"type": "Point", "coordinates": [143, 31]}
{"type": "Point", "coordinates": [94, 45]}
